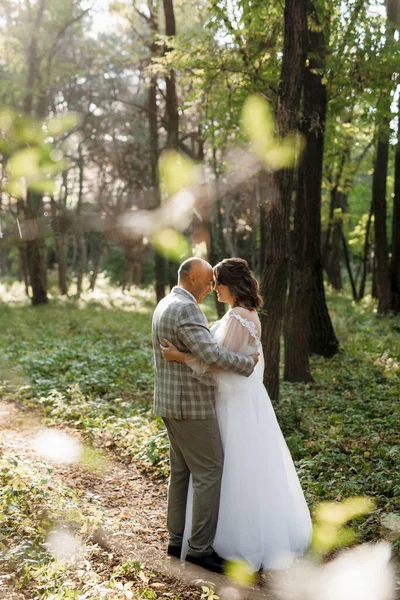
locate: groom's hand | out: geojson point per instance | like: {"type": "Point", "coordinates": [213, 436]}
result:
{"type": "Point", "coordinates": [255, 357]}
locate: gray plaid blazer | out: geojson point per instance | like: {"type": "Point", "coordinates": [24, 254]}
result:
{"type": "Point", "coordinates": [177, 393]}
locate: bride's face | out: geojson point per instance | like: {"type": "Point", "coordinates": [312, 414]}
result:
{"type": "Point", "coordinates": [223, 292]}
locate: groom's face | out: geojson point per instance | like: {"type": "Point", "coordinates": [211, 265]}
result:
{"type": "Point", "coordinates": [202, 282]}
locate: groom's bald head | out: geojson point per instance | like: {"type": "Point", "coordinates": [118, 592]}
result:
{"type": "Point", "coordinates": [196, 276]}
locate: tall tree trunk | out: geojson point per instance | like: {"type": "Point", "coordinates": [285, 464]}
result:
{"type": "Point", "coordinates": [34, 203]}
{"type": "Point", "coordinates": [307, 218]}
{"type": "Point", "coordinates": [274, 279]}
{"type": "Point", "coordinates": [171, 104]}
{"type": "Point", "coordinates": [322, 338]}
{"type": "Point", "coordinates": [395, 261]}
{"type": "Point", "coordinates": [297, 318]}
{"type": "Point", "coordinates": [383, 116]}
{"type": "Point", "coordinates": [171, 97]}
{"type": "Point", "coordinates": [33, 59]}
{"type": "Point", "coordinates": [379, 205]}
{"type": "Point", "coordinates": [34, 249]}
{"type": "Point", "coordinates": [80, 234]}
{"type": "Point", "coordinates": [154, 145]}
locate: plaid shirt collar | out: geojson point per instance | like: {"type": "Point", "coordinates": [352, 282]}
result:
{"type": "Point", "coordinates": [180, 290]}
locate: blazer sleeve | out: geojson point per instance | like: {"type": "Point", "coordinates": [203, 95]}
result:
{"type": "Point", "coordinates": [194, 334]}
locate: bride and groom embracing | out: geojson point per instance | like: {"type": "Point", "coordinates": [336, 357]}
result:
{"type": "Point", "coordinates": [233, 490]}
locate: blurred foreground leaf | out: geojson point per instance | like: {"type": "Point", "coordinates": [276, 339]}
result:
{"type": "Point", "coordinates": [171, 244]}
{"type": "Point", "coordinates": [240, 571]}
{"type": "Point", "coordinates": [59, 125]}
{"type": "Point", "coordinates": [32, 160]}
{"type": "Point", "coordinates": [258, 124]}
{"type": "Point", "coordinates": [330, 517]}
{"type": "Point", "coordinates": [176, 172]}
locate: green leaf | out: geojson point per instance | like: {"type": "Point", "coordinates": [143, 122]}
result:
{"type": "Point", "coordinates": [24, 163]}
{"type": "Point", "coordinates": [240, 571]}
{"type": "Point", "coordinates": [258, 124]}
{"type": "Point", "coordinates": [56, 126]}
{"type": "Point", "coordinates": [16, 189]}
{"type": "Point", "coordinates": [171, 244]}
{"type": "Point", "coordinates": [176, 172]}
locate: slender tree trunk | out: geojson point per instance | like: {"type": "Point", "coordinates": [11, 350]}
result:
{"type": "Point", "coordinates": [374, 285]}
{"type": "Point", "coordinates": [274, 279]}
{"type": "Point", "coordinates": [365, 262]}
{"type": "Point", "coordinates": [60, 249]}
{"type": "Point", "coordinates": [97, 263]}
{"type": "Point", "coordinates": [348, 265]}
{"type": "Point", "coordinates": [34, 249]}
{"type": "Point", "coordinates": [34, 203]}
{"type": "Point", "coordinates": [297, 318]}
{"type": "Point", "coordinates": [33, 59]}
{"type": "Point", "coordinates": [395, 261]}
{"type": "Point", "coordinates": [324, 342]}
{"type": "Point", "coordinates": [219, 306]}
{"type": "Point", "coordinates": [127, 271]}
{"type": "Point", "coordinates": [333, 268]}
{"type": "Point", "coordinates": [264, 182]}
{"type": "Point", "coordinates": [80, 235]}
{"type": "Point", "coordinates": [23, 267]}
{"type": "Point", "coordinates": [379, 205]}
{"type": "Point", "coordinates": [154, 145]}
{"type": "Point", "coordinates": [171, 96]}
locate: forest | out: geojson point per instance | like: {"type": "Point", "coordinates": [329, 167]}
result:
{"type": "Point", "coordinates": [134, 135]}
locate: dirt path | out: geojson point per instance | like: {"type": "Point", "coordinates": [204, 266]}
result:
{"type": "Point", "coordinates": [133, 502]}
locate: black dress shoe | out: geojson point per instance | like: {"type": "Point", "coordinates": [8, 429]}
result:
{"type": "Point", "coordinates": [212, 562]}
{"type": "Point", "coordinates": [174, 551]}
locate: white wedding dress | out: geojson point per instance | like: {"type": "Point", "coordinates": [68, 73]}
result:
{"type": "Point", "coordinates": [263, 516]}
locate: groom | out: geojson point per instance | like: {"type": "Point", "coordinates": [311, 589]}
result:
{"type": "Point", "coordinates": [187, 406]}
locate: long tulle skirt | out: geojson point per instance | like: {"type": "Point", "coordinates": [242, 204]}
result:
{"type": "Point", "coordinates": [263, 516]}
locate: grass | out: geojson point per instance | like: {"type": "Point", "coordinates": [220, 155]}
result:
{"type": "Point", "coordinates": [88, 364]}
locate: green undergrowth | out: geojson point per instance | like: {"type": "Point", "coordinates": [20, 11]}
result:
{"type": "Point", "coordinates": [343, 430]}
{"type": "Point", "coordinates": [90, 367]}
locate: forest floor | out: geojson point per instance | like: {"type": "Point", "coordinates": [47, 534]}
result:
{"type": "Point", "coordinates": [128, 554]}
{"type": "Point", "coordinates": [84, 367]}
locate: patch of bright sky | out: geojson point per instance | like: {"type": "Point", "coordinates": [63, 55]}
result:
{"type": "Point", "coordinates": [103, 19]}
{"type": "Point", "coordinates": [377, 9]}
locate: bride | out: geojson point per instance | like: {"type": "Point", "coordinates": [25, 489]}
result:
{"type": "Point", "coordinates": [263, 516]}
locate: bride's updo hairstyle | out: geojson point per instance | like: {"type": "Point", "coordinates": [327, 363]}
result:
{"type": "Point", "coordinates": [235, 273]}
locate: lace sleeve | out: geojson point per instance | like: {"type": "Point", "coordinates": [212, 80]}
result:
{"type": "Point", "coordinates": [239, 331]}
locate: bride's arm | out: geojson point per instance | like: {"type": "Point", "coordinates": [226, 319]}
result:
{"type": "Point", "coordinates": [171, 353]}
